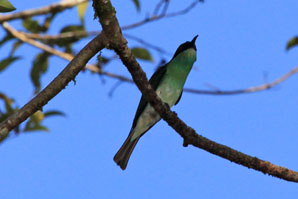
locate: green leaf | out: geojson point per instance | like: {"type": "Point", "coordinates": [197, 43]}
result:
{"type": "Point", "coordinates": [293, 42]}
{"type": "Point", "coordinates": [8, 103]}
{"type": "Point", "coordinates": [67, 42]}
{"type": "Point", "coordinates": [5, 6]}
{"type": "Point", "coordinates": [3, 116]}
{"type": "Point", "coordinates": [54, 113]}
{"type": "Point", "coordinates": [82, 8]}
{"type": "Point", "coordinates": [6, 62]}
{"type": "Point", "coordinates": [72, 28]}
{"type": "Point", "coordinates": [103, 59]}
{"type": "Point", "coordinates": [68, 49]}
{"type": "Point", "coordinates": [15, 46]}
{"type": "Point", "coordinates": [39, 128]}
{"type": "Point", "coordinates": [40, 66]}
{"type": "Point", "coordinates": [47, 22]}
{"type": "Point", "coordinates": [6, 99]}
{"type": "Point", "coordinates": [34, 127]}
{"type": "Point", "coordinates": [137, 4]}
{"type": "Point", "coordinates": [34, 123]}
{"type": "Point", "coordinates": [6, 38]}
{"type": "Point", "coordinates": [33, 25]}
{"type": "Point", "coordinates": [37, 117]}
{"type": "Point", "coordinates": [142, 53]}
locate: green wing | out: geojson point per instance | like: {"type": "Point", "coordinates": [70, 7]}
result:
{"type": "Point", "coordinates": [179, 98]}
{"type": "Point", "coordinates": [154, 81]}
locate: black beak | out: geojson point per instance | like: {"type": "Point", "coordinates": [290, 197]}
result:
{"type": "Point", "coordinates": [194, 39]}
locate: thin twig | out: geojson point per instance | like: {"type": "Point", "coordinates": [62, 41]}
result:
{"type": "Point", "coordinates": [247, 90]}
{"type": "Point", "coordinates": [161, 16]}
{"type": "Point", "coordinates": [147, 44]}
{"type": "Point", "coordinates": [81, 34]}
{"type": "Point", "coordinates": [184, 11]}
{"type": "Point", "coordinates": [165, 7]}
{"type": "Point", "coordinates": [55, 7]}
{"type": "Point", "coordinates": [113, 89]}
{"type": "Point", "coordinates": [37, 44]}
{"type": "Point", "coordinates": [157, 7]}
{"type": "Point", "coordinates": [64, 35]}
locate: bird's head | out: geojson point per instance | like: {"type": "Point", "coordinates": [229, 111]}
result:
{"type": "Point", "coordinates": [187, 50]}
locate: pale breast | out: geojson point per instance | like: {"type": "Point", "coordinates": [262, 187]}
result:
{"type": "Point", "coordinates": [168, 94]}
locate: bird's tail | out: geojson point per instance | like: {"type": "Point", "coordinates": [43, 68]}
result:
{"type": "Point", "coordinates": [123, 155]}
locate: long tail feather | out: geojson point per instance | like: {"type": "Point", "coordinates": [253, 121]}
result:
{"type": "Point", "coordinates": [123, 155]}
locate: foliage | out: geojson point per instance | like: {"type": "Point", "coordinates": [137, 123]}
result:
{"type": "Point", "coordinates": [40, 67]}
{"type": "Point", "coordinates": [137, 4]}
{"type": "Point", "coordinates": [292, 43]}
{"type": "Point", "coordinates": [142, 53]}
{"type": "Point", "coordinates": [40, 62]}
{"type": "Point", "coordinates": [5, 6]}
{"type": "Point", "coordinates": [34, 123]}
{"type": "Point", "coordinates": [82, 8]}
{"type": "Point", "coordinates": [6, 62]}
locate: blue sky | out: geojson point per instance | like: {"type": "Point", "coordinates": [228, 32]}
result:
{"type": "Point", "coordinates": [240, 43]}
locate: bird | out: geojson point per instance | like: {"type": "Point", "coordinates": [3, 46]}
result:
{"type": "Point", "coordinates": [168, 82]}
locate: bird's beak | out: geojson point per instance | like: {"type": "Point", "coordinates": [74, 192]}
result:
{"type": "Point", "coordinates": [194, 39]}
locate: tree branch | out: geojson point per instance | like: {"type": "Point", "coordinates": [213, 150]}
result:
{"type": "Point", "coordinates": [23, 37]}
{"type": "Point", "coordinates": [26, 37]}
{"type": "Point", "coordinates": [60, 82]}
{"type": "Point", "coordinates": [253, 89]}
{"type": "Point", "coordinates": [82, 34]}
{"type": "Point", "coordinates": [64, 35]}
{"type": "Point", "coordinates": [111, 29]}
{"type": "Point", "coordinates": [56, 7]}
